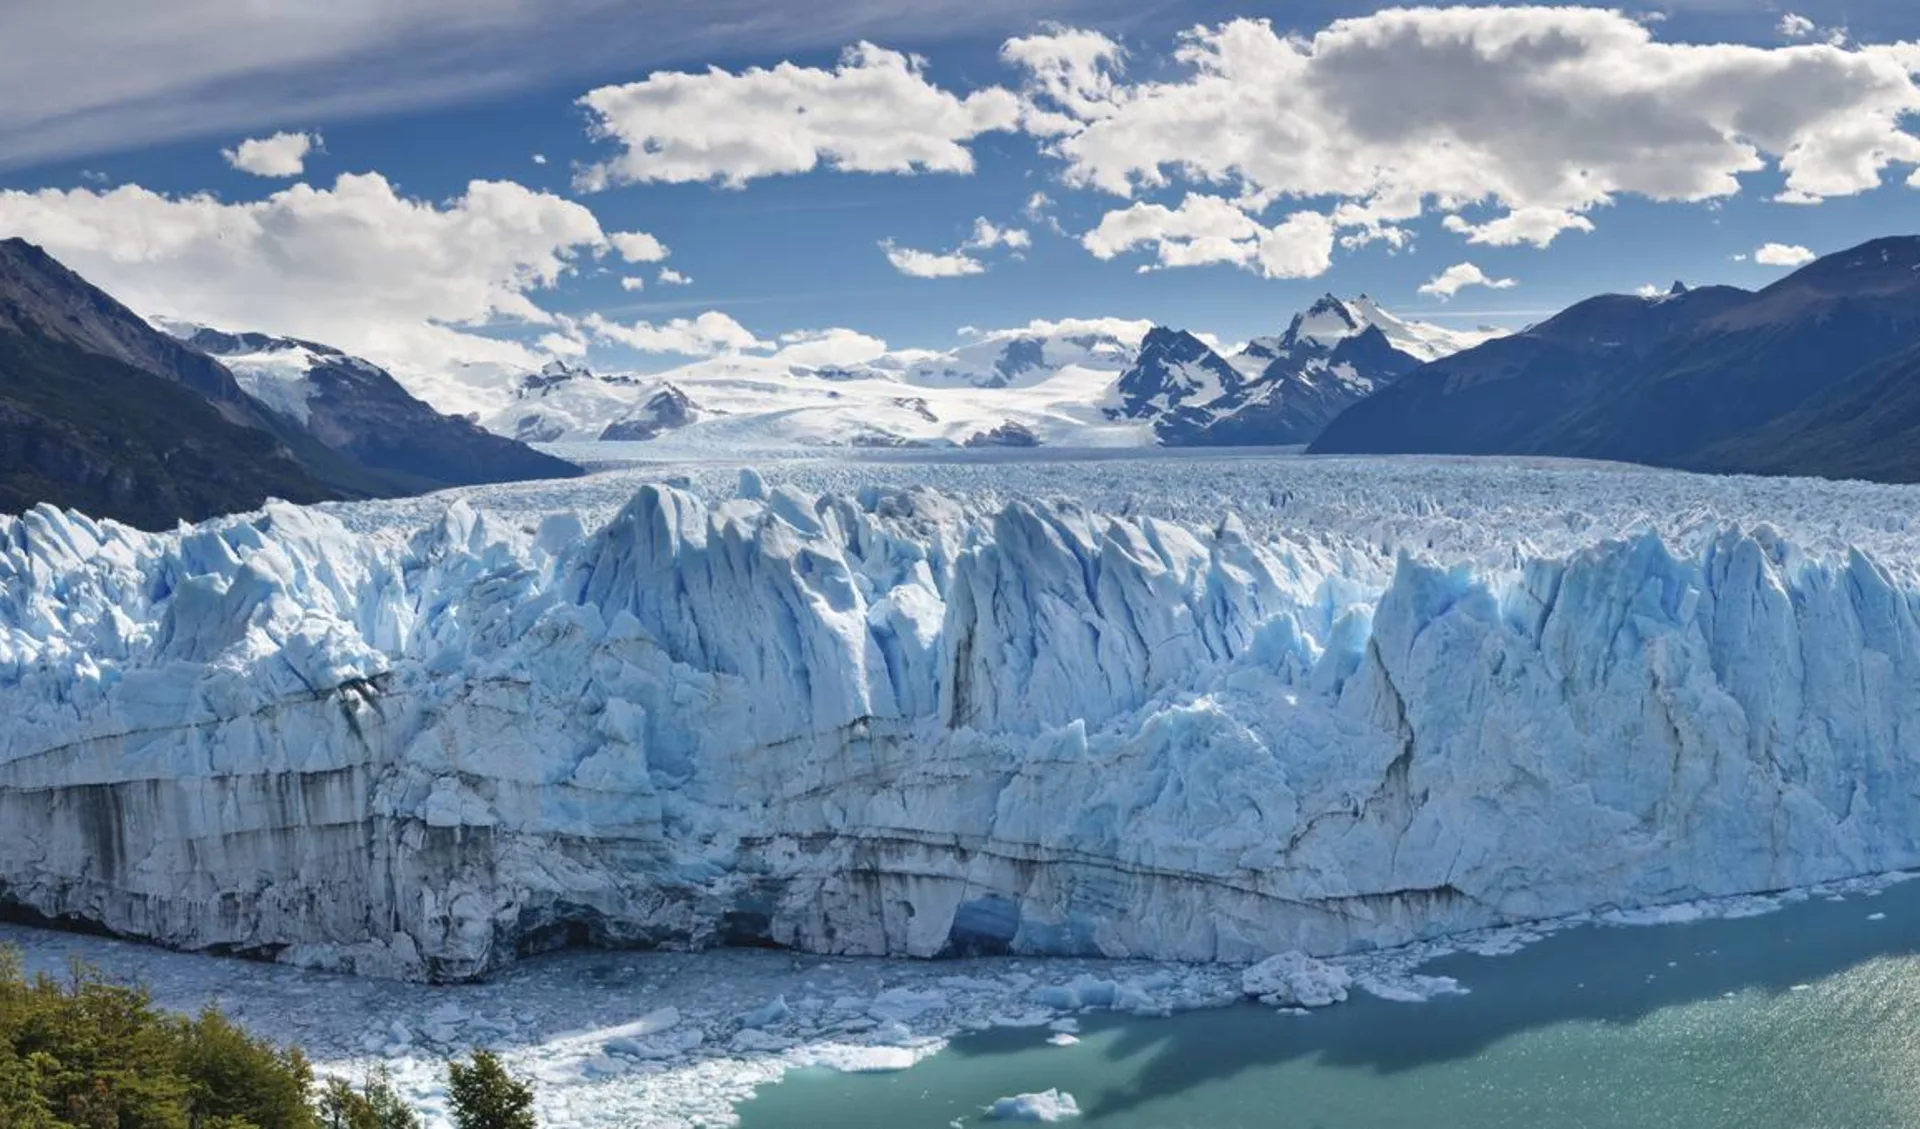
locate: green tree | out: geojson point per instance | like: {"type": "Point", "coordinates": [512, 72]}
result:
{"type": "Point", "coordinates": [234, 1077]}
{"type": "Point", "coordinates": [375, 1105]}
{"type": "Point", "coordinates": [485, 1096]}
{"type": "Point", "coordinates": [82, 1053]}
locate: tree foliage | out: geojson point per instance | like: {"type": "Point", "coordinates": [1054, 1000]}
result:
{"type": "Point", "coordinates": [484, 1096]}
{"type": "Point", "coordinates": [375, 1105]}
{"type": "Point", "coordinates": [81, 1053]}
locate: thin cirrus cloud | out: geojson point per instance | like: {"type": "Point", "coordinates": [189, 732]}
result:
{"type": "Point", "coordinates": [197, 68]}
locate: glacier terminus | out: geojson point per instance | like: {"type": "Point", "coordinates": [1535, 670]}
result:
{"type": "Point", "coordinates": [1207, 711]}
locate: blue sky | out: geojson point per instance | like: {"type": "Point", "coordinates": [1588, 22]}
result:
{"type": "Point", "coordinates": [432, 106]}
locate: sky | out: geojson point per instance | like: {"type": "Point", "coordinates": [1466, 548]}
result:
{"type": "Point", "coordinates": [636, 182]}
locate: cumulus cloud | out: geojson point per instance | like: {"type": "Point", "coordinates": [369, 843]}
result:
{"type": "Point", "coordinates": [915, 263]}
{"type": "Point", "coordinates": [1209, 229]}
{"type": "Point", "coordinates": [962, 260]}
{"type": "Point", "coordinates": [399, 280]}
{"type": "Point", "coordinates": [283, 154]}
{"type": "Point", "coordinates": [539, 158]}
{"type": "Point", "coordinates": [1129, 332]}
{"type": "Point", "coordinates": [1073, 76]}
{"type": "Point", "coordinates": [638, 246]}
{"type": "Point", "coordinates": [1783, 255]}
{"type": "Point", "coordinates": [1459, 277]}
{"type": "Point", "coordinates": [1420, 104]}
{"type": "Point", "coordinates": [632, 283]}
{"type": "Point", "coordinates": [670, 277]}
{"type": "Point", "coordinates": [1795, 26]}
{"type": "Point", "coordinates": [709, 334]}
{"type": "Point", "coordinates": [821, 348]}
{"type": "Point", "coordinates": [875, 112]}
{"type": "Point", "coordinates": [988, 235]}
{"type": "Point", "coordinates": [563, 344]}
{"type": "Point", "coordinates": [1536, 226]}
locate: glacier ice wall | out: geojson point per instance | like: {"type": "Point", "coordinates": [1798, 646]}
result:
{"type": "Point", "coordinates": [902, 722]}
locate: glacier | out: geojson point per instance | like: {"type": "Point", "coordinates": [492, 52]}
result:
{"type": "Point", "coordinates": [1317, 706]}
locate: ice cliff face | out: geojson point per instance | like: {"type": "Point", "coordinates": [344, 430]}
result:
{"type": "Point", "coordinates": [907, 723]}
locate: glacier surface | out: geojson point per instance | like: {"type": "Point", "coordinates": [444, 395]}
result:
{"type": "Point", "coordinates": [1212, 710]}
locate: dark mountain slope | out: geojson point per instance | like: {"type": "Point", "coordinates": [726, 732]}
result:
{"type": "Point", "coordinates": [98, 435]}
{"type": "Point", "coordinates": [1691, 380]}
{"type": "Point", "coordinates": [358, 409]}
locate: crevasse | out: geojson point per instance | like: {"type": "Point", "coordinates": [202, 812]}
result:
{"type": "Point", "coordinates": [906, 723]}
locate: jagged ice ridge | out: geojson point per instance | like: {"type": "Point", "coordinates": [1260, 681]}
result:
{"type": "Point", "coordinates": [911, 721]}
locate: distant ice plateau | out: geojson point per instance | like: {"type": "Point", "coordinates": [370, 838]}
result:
{"type": "Point", "coordinates": [1206, 710]}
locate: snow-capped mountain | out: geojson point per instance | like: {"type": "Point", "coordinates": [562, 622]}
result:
{"type": "Point", "coordinates": [1021, 358]}
{"type": "Point", "coordinates": [355, 407]}
{"type": "Point", "coordinates": [1089, 383]}
{"type": "Point", "coordinates": [1280, 390]}
{"type": "Point", "coordinates": [568, 402]}
{"type": "Point", "coordinates": [1041, 384]}
{"type": "Point", "coordinates": [1177, 382]}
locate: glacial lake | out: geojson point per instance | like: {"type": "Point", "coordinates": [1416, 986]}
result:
{"type": "Point", "coordinates": [1805, 1018]}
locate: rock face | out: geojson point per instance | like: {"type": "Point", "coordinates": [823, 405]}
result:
{"type": "Point", "coordinates": [669, 409]}
{"type": "Point", "coordinates": [98, 410]}
{"type": "Point", "coordinates": [902, 724]}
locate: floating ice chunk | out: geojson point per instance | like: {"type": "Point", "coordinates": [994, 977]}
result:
{"type": "Point", "coordinates": [902, 1005]}
{"type": "Point", "coordinates": [852, 1058]}
{"type": "Point", "coordinates": [1411, 988]}
{"type": "Point", "coordinates": [1296, 979]}
{"type": "Point", "coordinates": [1048, 1105]}
{"type": "Point", "coordinates": [768, 1015]}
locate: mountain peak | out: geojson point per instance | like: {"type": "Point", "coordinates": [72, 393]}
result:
{"type": "Point", "coordinates": [1677, 288]}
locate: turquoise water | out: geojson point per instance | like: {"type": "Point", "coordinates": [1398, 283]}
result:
{"type": "Point", "coordinates": [1807, 1018]}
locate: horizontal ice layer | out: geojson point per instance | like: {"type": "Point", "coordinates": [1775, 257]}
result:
{"type": "Point", "coordinates": [911, 722]}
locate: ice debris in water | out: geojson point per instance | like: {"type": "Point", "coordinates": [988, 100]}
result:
{"type": "Point", "coordinates": [1296, 980]}
{"type": "Point", "coordinates": [1047, 1105]}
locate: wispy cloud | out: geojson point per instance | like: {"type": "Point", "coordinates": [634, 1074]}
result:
{"type": "Point", "coordinates": [191, 68]}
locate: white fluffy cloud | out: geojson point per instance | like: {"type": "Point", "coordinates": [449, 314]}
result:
{"type": "Point", "coordinates": [915, 263]}
{"type": "Point", "coordinates": [632, 283]}
{"type": "Point", "coordinates": [874, 112]}
{"type": "Point", "coordinates": [1535, 226]}
{"type": "Point", "coordinates": [1127, 331]}
{"type": "Point", "coordinates": [1459, 277]}
{"type": "Point", "coordinates": [821, 348]}
{"type": "Point", "coordinates": [1420, 104]}
{"type": "Point", "coordinates": [283, 154]}
{"type": "Point", "coordinates": [988, 235]}
{"type": "Point", "coordinates": [962, 260]}
{"type": "Point", "coordinates": [1783, 255]}
{"type": "Point", "coordinates": [638, 246]}
{"type": "Point", "coordinates": [670, 277]}
{"type": "Point", "coordinates": [1073, 77]}
{"type": "Point", "coordinates": [357, 265]}
{"type": "Point", "coordinates": [1795, 26]}
{"type": "Point", "coordinates": [1209, 229]}
{"type": "Point", "coordinates": [706, 335]}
